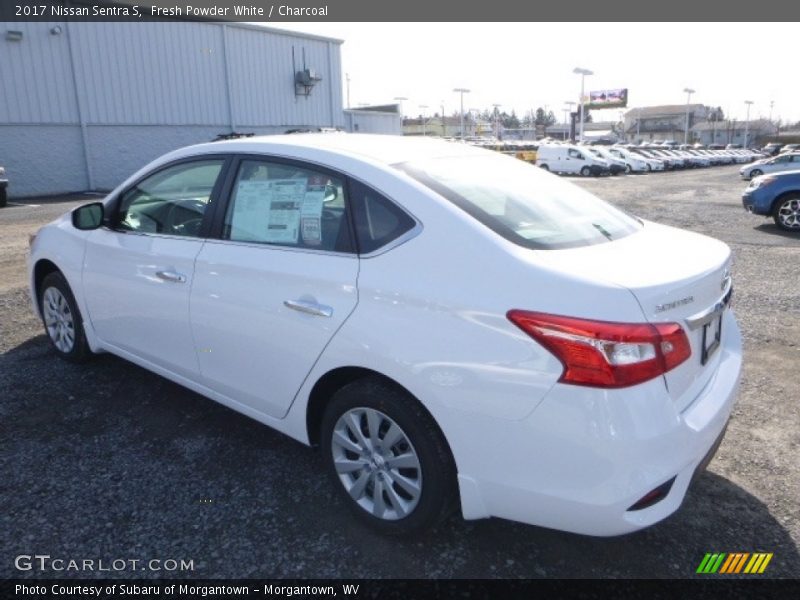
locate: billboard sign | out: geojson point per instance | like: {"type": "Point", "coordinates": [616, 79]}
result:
{"type": "Point", "coordinates": [608, 99]}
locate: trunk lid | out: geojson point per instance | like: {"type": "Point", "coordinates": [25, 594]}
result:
{"type": "Point", "coordinates": [676, 276]}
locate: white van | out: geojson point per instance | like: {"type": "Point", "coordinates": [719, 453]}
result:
{"type": "Point", "coordinates": [567, 158]}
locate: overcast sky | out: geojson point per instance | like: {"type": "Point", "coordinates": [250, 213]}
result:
{"type": "Point", "coordinates": [527, 65]}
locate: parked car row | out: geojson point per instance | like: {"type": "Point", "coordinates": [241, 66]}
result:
{"type": "Point", "coordinates": [601, 160]}
{"type": "Point", "coordinates": [584, 159]}
{"type": "Point", "coordinates": [774, 148]}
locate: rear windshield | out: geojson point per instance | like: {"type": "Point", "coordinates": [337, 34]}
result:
{"type": "Point", "coordinates": [522, 203]}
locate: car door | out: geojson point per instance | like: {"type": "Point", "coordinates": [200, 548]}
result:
{"type": "Point", "coordinates": [575, 160]}
{"type": "Point", "coordinates": [139, 269]}
{"type": "Point", "coordinates": [276, 285]}
{"type": "Point", "coordinates": [779, 163]}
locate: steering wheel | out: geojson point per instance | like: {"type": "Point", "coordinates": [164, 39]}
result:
{"type": "Point", "coordinates": [178, 222]}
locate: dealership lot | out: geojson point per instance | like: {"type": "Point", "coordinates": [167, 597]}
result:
{"type": "Point", "coordinates": [110, 461]}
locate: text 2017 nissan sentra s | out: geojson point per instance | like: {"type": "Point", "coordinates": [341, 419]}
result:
{"type": "Point", "coordinates": [452, 327]}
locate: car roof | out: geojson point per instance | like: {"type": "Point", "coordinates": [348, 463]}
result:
{"type": "Point", "coordinates": [388, 149]}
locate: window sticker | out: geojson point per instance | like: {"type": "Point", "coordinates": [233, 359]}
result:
{"type": "Point", "coordinates": [311, 211]}
{"type": "Point", "coordinates": [268, 211]}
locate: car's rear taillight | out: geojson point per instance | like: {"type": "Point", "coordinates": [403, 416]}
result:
{"type": "Point", "coordinates": [606, 354]}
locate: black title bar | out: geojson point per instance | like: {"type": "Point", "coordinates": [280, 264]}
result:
{"type": "Point", "coordinates": [403, 11]}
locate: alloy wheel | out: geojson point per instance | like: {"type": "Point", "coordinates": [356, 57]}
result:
{"type": "Point", "coordinates": [376, 463]}
{"type": "Point", "coordinates": [789, 213]}
{"type": "Point", "coordinates": [58, 319]}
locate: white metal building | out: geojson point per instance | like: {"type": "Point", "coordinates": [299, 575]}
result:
{"type": "Point", "coordinates": [82, 105]}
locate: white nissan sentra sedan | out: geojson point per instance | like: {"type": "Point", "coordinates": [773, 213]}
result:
{"type": "Point", "coordinates": [452, 327]}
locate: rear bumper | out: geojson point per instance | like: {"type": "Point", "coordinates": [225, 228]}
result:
{"type": "Point", "coordinates": [584, 457]}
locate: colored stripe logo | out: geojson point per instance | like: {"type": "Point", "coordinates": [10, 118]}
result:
{"type": "Point", "coordinates": [734, 563]}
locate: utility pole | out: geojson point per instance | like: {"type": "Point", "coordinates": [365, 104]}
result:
{"type": "Point", "coordinates": [583, 73]}
{"type": "Point", "coordinates": [568, 104]}
{"type": "Point", "coordinates": [689, 92]}
{"type": "Point", "coordinates": [462, 91]}
{"type": "Point", "coordinates": [749, 103]}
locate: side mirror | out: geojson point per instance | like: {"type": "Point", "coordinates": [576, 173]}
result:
{"type": "Point", "coordinates": [88, 216]}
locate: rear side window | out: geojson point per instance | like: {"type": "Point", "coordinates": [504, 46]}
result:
{"type": "Point", "coordinates": [378, 221]}
{"type": "Point", "coordinates": [524, 205]}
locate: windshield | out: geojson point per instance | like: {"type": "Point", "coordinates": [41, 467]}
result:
{"type": "Point", "coordinates": [520, 202]}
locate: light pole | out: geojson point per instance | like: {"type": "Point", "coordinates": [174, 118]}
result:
{"type": "Point", "coordinates": [423, 107]}
{"type": "Point", "coordinates": [689, 92]}
{"type": "Point", "coordinates": [462, 91]}
{"type": "Point", "coordinates": [496, 122]}
{"type": "Point", "coordinates": [583, 73]}
{"type": "Point", "coordinates": [568, 104]}
{"type": "Point", "coordinates": [749, 103]}
{"type": "Point", "coordinates": [638, 125]}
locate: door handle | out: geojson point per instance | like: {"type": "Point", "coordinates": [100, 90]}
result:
{"type": "Point", "coordinates": [311, 308]}
{"type": "Point", "coordinates": [171, 276]}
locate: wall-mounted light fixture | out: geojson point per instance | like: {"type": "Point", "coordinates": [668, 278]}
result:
{"type": "Point", "coordinates": [56, 30]}
{"type": "Point", "coordinates": [13, 36]}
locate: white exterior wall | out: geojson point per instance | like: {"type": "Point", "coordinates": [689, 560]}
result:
{"type": "Point", "coordinates": [83, 109]}
{"type": "Point", "coordinates": [365, 121]}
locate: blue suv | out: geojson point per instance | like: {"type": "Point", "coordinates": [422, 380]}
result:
{"type": "Point", "coordinates": [778, 195]}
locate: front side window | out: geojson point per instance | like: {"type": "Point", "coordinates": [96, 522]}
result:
{"type": "Point", "coordinates": [172, 201]}
{"type": "Point", "coordinates": [575, 154]}
{"type": "Point", "coordinates": [287, 205]}
{"type": "Point", "coordinates": [524, 205]}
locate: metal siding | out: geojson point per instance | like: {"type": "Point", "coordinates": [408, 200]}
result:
{"type": "Point", "coordinates": [35, 77]}
{"type": "Point", "coordinates": [262, 80]}
{"type": "Point", "coordinates": [161, 73]}
{"type": "Point", "coordinates": [145, 88]}
{"type": "Point", "coordinates": [335, 87]}
{"type": "Point", "coordinates": [46, 159]}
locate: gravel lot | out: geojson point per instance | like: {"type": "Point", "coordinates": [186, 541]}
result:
{"type": "Point", "coordinates": [109, 461]}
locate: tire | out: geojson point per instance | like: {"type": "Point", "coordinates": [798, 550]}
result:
{"type": "Point", "coordinates": [756, 173]}
{"type": "Point", "coordinates": [426, 493]}
{"type": "Point", "coordinates": [62, 320]}
{"type": "Point", "coordinates": [545, 167]}
{"type": "Point", "coordinates": [3, 197]}
{"type": "Point", "coordinates": [586, 171]}
{"type": "Point", "coordinates": [786, 213]}
{"type": "Point", "coordinates": [628, 169]}
{"type": "Point", "coordinates": [649, 168]}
